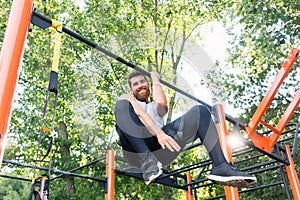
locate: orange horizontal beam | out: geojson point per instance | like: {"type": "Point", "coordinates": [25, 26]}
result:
{"type": "Point", "coordinates": [269, 126]}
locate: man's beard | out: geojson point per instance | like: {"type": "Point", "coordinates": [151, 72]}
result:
{"type": "Point", "coordinates": [142, 96]}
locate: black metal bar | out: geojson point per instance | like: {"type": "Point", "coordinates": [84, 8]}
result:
{"type": "Point", "coordinates": [261, 187]}
{"type": "Point", "coordinates": [14, 177]}
{"type": "Point", "coordinates": [192, 146]}
{"type": "Point", "coordinates": [202, 185]}
{"type": "Point", "coordinates": [248, 159]}
{"type": "Point", "coordinates": [248, 190]}
{"type": "Point", "coordinates": [40, 21]}
{"type": "Point", "coordinates": [196, 186]}
{"type": "Point", "coordinates": [129, 64]}
{"type": "Point", "coordinates": [195, 182]}
{"type": "Point", "coordinates": [167, 181]}
{"type": "Point", "coordinates": [189, 168]}
{"type": "Point", "coordinates": [80, 167]}
{"type": "Point", "coordinates": [243, 152]}
{"type": "Point", "coordinates": [201, 172]}
{"type": "Point", "coordinates": [284, 182]}
{"type": "Point", "coordinates": [55, 171]}
{"type": "Point", "coordinates": [295, 139]}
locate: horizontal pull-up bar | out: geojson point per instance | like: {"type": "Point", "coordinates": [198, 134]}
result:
{"type": "Point", "coordinates": [44, 23]}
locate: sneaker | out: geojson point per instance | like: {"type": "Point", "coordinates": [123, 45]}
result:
{"type": "Point", "coordinates": [152, 172]}
{"type": "Point", "coordinates": [228, 175]}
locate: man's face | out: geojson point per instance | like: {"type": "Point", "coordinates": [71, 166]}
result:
{"type": "Point", "coordinates": [140, 88]}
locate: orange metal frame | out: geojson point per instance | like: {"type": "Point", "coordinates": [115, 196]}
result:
{"type": "Point", "coordinates": [230, 192]}
{"type": "Point", "coordinates": [263, 142]}
{"type": "Point", "coordinates": [267, 143]}
{"type": "Point", "coordinates": [10, 57]}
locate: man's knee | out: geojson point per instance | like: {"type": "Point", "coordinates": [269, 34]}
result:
{"type": "Point", "coordinates": [200, 110]}
{"type": "Point", "coordinates": [121, 106]}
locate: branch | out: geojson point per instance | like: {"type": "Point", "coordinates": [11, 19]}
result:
{"type": "Point", "coordinates": [156, 30]}
{"type": "Point", "coordinates": [164, 43]}
{"type": "Point", "coordinates": [182, 46]}
{"type": "Point", "coordinates": [172, 54]}
{"type": "Point", "coordinates": [192, 30]}
{"type": "Point", "coordinates": [5, 13]}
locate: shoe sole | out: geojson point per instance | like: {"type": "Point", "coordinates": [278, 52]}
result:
{"type": "Point", "coordinates": [151, 178]}
{"type": "Point", "coordinates": [234, 181]}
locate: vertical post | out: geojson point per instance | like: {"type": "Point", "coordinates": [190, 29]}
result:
{"type": "Point", "coordinates": [292, 175]}
{"type": "Point", "coordinates": [189, 195]}
{"type": "Point", "coordinates": [230, 192]}
{"type": "Point", "coordinates": [110, 175]}
{"type": "Point", "coordinates": [10, 57]}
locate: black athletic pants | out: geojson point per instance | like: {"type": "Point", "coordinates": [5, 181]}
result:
{"type": "Point", "coordinates": [136, 140]}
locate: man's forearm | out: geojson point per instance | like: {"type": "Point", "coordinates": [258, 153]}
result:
{"type": "Point", "coordinates": [146, 119]}
{"type": "Point", "coordinates": [163, 139]}
{"type": "Point", "coordinates": [159, 96]}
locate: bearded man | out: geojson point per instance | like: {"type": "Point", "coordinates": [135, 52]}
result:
{"type": "Point", "coordinates": [149, 144]}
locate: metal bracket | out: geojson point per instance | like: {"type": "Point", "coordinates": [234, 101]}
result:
{"type": "Point", "coordinates": [40, 21]}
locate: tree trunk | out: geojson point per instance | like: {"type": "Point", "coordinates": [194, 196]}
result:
{"type": "Point", "coordinates": [65, 156]}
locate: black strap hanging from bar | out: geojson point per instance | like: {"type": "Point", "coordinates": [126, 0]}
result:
{"type": "Point", "coordinates": [43, 194]}
{"type": "Point", "coordinates": [53, 83]}
{"type": "Point", "coordinates": [52, 87]}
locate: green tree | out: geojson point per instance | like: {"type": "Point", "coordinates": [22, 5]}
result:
{"type": "Point", "coordinates": [257, 54]}
{"type": "Point", "coordinates": [266, 35]}
{"type": "Point", "coordinates": [13, 189]}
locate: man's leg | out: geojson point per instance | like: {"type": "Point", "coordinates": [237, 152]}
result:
{"type": "Point", "coordinates": [199, 119]}
{"type": "Point", "coordinates": [197, 123]}
{"type": "Point", "coordinates": [136, 139]}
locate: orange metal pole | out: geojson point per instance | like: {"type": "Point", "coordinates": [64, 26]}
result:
{"type": "Point", "coordinates": [286, 117]}
{"type": "Point", "coordinates": [189, 194]}
{"type": "Point", "coordinates": [230, 192]}
{"type": "Point", "coordinates": [10, 57]}
{"type": "Point", "coordinates": [292, 175]}
{"type": "Point", "coordinates": [110, 175]}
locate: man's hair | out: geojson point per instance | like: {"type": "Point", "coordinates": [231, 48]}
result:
{"type": "Point", "coordinates": [134, 74]}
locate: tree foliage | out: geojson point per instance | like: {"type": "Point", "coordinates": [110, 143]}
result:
{"type": "Point", "coordinates": [258, 52]}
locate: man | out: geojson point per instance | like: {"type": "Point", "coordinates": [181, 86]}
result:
{"type": "Point", "coordinates": [149, 144]}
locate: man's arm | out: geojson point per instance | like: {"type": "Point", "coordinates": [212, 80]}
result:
{"type": "Point", "coordinates": [158, 95]}
{"type": "Point", "coordinates": [163, 139]}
